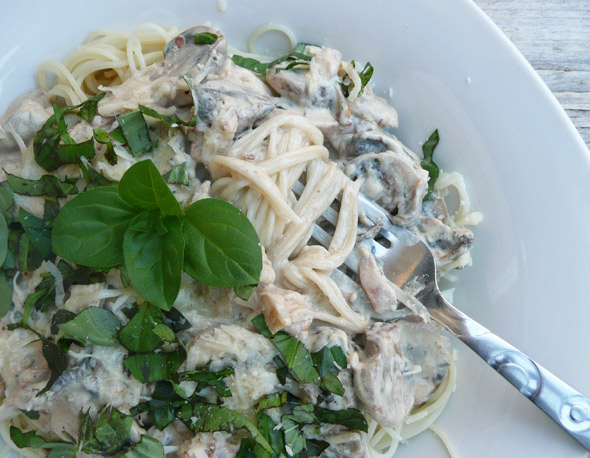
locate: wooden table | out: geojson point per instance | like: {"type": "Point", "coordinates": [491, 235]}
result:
{"type": "Point", "coordinates": [554, 36]}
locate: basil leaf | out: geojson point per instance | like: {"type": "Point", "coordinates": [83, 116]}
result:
{"type": "Point", "coordinates": [272, 401]}
{"type": "Point", "coordinates": [29, 258]}
{"type": "Point", "coordinates": [138, 335]}
{"type": "Point", "coordinates": [365, 75]}
{"type": "Point", "coordinates": [29, 439]}
{"type": "Point", "coordinates": [89, 107]}
{"type": "Point", "coordinates": [151, 367]}
{"type": "Point", "coordinates": [293, 352]}
{"type": "Point", "coordinates": [93, 178]}
{"type": "Point", "coordinates": [275, 436]}
{"type": "Point", "coordinates": [164, 333]}
{"type": "Point", "coordinates": [47, 186]}
{"type": "Point", "coordinates": [162, 407]}
{"type": "Point", "coordinates": [251, 64]}
{"type": "Point", "coordinates": [329, 361]}
{"type": "Point", "coordinates": [176, 320]}
{"type": "Point", "coordinates": [143, 186]}
{"type": "Point", "coordinates": [4, 234]}
{"type": "Point", "coordinates": [222, 247]}
{"type": "Point", "coordinates": [5, 293]}
{"type": "Point", "coordinates": [244, 292]}
{"type": "Point", "coordinates": [205, 38]}
{"type": "Point", "coordinates": [62, 450]}
{"type": "Point", "coordinates": [147, 447]}
{"type": "Point", "coordinates": [205, 378]}
{"type": "Point", "coordinates": [108, 434]}
{"type": "Point", "coordinates": [60, 317]}
{"type": "Point", "coordinates": [154, 260]}
{"type": "Point", "coordinates": [38, 231]}
{"type": "Point", "coordinates": [170, 120]}
{"type": "Point", "coordinates": [178, 174]}
{"type": "Point", "coordinates": [57, 361]}
{"type": "Point", "coordinates": [94, 324]}
{"type": "Point", "coordinates": [211, 417]}
{"type": "Point", "coordinates": [32, 414]}
{"type": "Point", "coordinates": [136, 132]}
{"type": "Point", "coordinates": [428, 164]}
{"type": "Point", "coordinates": [6, 196]}
{"type": "Point", "coordinates": [350, 418]}
{"type": "Point", "coordinates": [89, 229]}
{"type": "Point", "coordinates": [102, 136]}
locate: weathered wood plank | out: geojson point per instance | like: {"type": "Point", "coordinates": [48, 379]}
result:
{"type": "Point", "coordinates": [554, 36]}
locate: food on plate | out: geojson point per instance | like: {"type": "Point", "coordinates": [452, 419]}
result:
{"type": "Point", "coordinates": [162, 293]}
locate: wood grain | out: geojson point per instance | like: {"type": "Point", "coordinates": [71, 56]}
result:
{"type": "Point", "coordinates": [554, 36]}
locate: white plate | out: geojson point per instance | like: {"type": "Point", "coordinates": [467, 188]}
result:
{"type": "Point", "coordinates": [526, 167]}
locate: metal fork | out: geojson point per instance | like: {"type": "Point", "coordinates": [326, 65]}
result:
{"type": "Point", "coordinates": [409, 261]}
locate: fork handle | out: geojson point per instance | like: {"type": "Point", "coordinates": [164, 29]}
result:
{"type": "Point", "coordinates": [567, 407]}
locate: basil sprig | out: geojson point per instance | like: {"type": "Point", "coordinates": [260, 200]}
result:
{"type": "Point", "coordinates": [298, 56]}
{"type": "Point", "coordinates": [428, 164]}
{"type": "Point", "coordinates": [140, 225]}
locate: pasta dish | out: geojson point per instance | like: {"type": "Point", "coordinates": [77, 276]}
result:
{"type": "Point", "coordinates": [162, 290]}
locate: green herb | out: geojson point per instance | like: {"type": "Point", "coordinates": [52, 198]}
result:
{"type": "Point", "coordinates": [93, 178]}
{"type": "Point", "coordinates": [211, 417]}
{"type": "Point", "coordinates": [47, 186]}
{"type": "Point", "coordinates": [176, 320]}
{"type": "Point", "coordinates": [329, 361]}
{"type": "Point", "coordinates": [428, 164]}
{"type": "Point", "coordinates": [147, 447]}
{"type": "Point", "coordinates": [26, 257]}
{"type": "Point", "coordinates": [94, 324]}
{"type": "Point", "coordinates": [206, 378]}
{"type": "Point", "coordinates": [50, 152]}
{"type": "Point", "coordinates": [299, 54]}
{"type": "Point", "coordinates": [89, 229]}
{"type": "Point", "coordinates": [102, 136]}
{"type": "Point", "coordinates": [365, 76]}
{"type": "Point", "coordinates": [297, 63]}
{"type": "Point", "coordinates": [178, 174]}
{"type": "Point", "coordinates": [162, 407]}
{"type": "Point", "coordinates": [349, 418]}
{"type": "Point", "coordinates": [272, 401]}
{"type": "Point", "coordinates": [89, 107]}
{"type": "Point", "coordinates": [31, 439]}
{"type": "Point", "coordinates": [5, 293]}
{"type": "Point", "coordinates": [222, 248]}
{"type": "Point", "coordinates": [138, 336]}
{"type": "Point", "coordinates": [32, 414]}
{"type": "Point", "coordinates": [293, 352]}
{"type": "Point", "coordinates": [170, 120]}
{"type": "Point", "coordinates": [4, 235]}
{"type": "Point", "coordinates": [164, 333]}
{"type": "Point", "coordinates": [151, 367]}
{"type": "Point", "coordinates": [205, 38]}
{"type": "Point", "coordinates": [57, 361]}
{"type": "Point", "coordinates": [108, 434]}
{"type": "Point", "coordinates": [136, 132]}
{"type": "Point", "coordinates": [244, 292]}
{"type": "Point", "coordinates": [39, 232]}
{"type": "Point", "coordinates": [59, 317]}
{"type": "Point", "coordinates": [153, 250]}
{"type": "Point", "coordinates": [142, 186]}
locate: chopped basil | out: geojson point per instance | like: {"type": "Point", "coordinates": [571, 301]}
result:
{"type": "Point", "coordinates": [136, 133]}
{"type": "Point", "coordinates": [349, 418]}
{"type": "Point", "coordinates": [299, 55]}
{"type": "Point", "coordinates": [365, 75]}
{"type": "Point", "coordinates": [5, 293]}
{"type": "Point", "coordinates": [39, 232]}
{"type": "Point", "coordinates": [152, 367]}
{"type": "Point", "coordinates": [211, 417]}
{"type": "Point", "coordinates": [164, 333]}
{"type": "Point", "coordinates": [102, 136]}
{"type": "Point", "coordinates": [205, 378]}
{"type": "Point", "coordinates": [329, 361]}
{"type": "Point", "coordinates": [108, 434]}
{"type": "Point", "coordinates": [170, 120]}
{"type": "Point", "coordinates": [47, 186]}
{"type": "Point", "coordinates": [205, 38]}
{"type": "Point", "coordinates": [428, 164]}
{"type": "Point", "coordinates": [271, 401]}
{"type": "Point", "coordinates": [32, 414]}
{"type": "Point", "coordinates": [4, 235]}
{"type": "Point", "coordinates": [94, 324]}
{"type": "Point", "coordinates": [89, 107]}
{"type": "Point", "coordinates": [57, 361]}
{"type": "Point", "coordinates": [147, 447]}
{"type": "Point", "coordinates": [138, 336]}
{"type": "Point", "coordinates": [178, 174]}
{"type": "Point", "coordinates": [293, 352]}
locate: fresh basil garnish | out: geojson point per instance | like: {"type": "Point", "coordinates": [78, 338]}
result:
{"type": "Point", "coordinates": [142, 186]}
{"type": "Point", "coordinates": [298, 55]}
{"type": "Point", "coordinates": [178, 174]}
{"type": "Point", "coordinates": [6, 291]}
{"type": "Point", "coordinates": [94, 324]}
{"type": "Point", "coordinates": [137, 336]}
{"type": "Point", "coordinates": [152, 367]}
{"type": "Point", "coordinates": [153, 249]}
{"type": "Point", "coordinates": [365, 75]}
{"type": "Point", "coordinates": [222, 248]}
{"type": "Point", "coordinates": [329, 361]}
{"type": "Point", "coordinates": [89, 229]}
{"type": "Point", "coordinates": [428, 164]}
{"type": "Point", "coordinates": [4, 235]}
{"type": "Point", "coordinates": [170, 120]}
{"type": "Point", "coordinates": [108, 434]}
{"type": "Point", "coordinates": [102, 136]}
{"type": "Point", "coordinates": [57, 361]}
{"type": "Point", "coordinates": [47, 186]}
{"type": "Point", "coordinates": [147, 447]}
{"type": "Point", "coordinates": [205, 38]}
{"type": "Point", "coordinates": [39, 232]}
{"type": "Point", "coordinates": [136, 133]}
{"type": "Point", "coordinates": [206, 378]}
